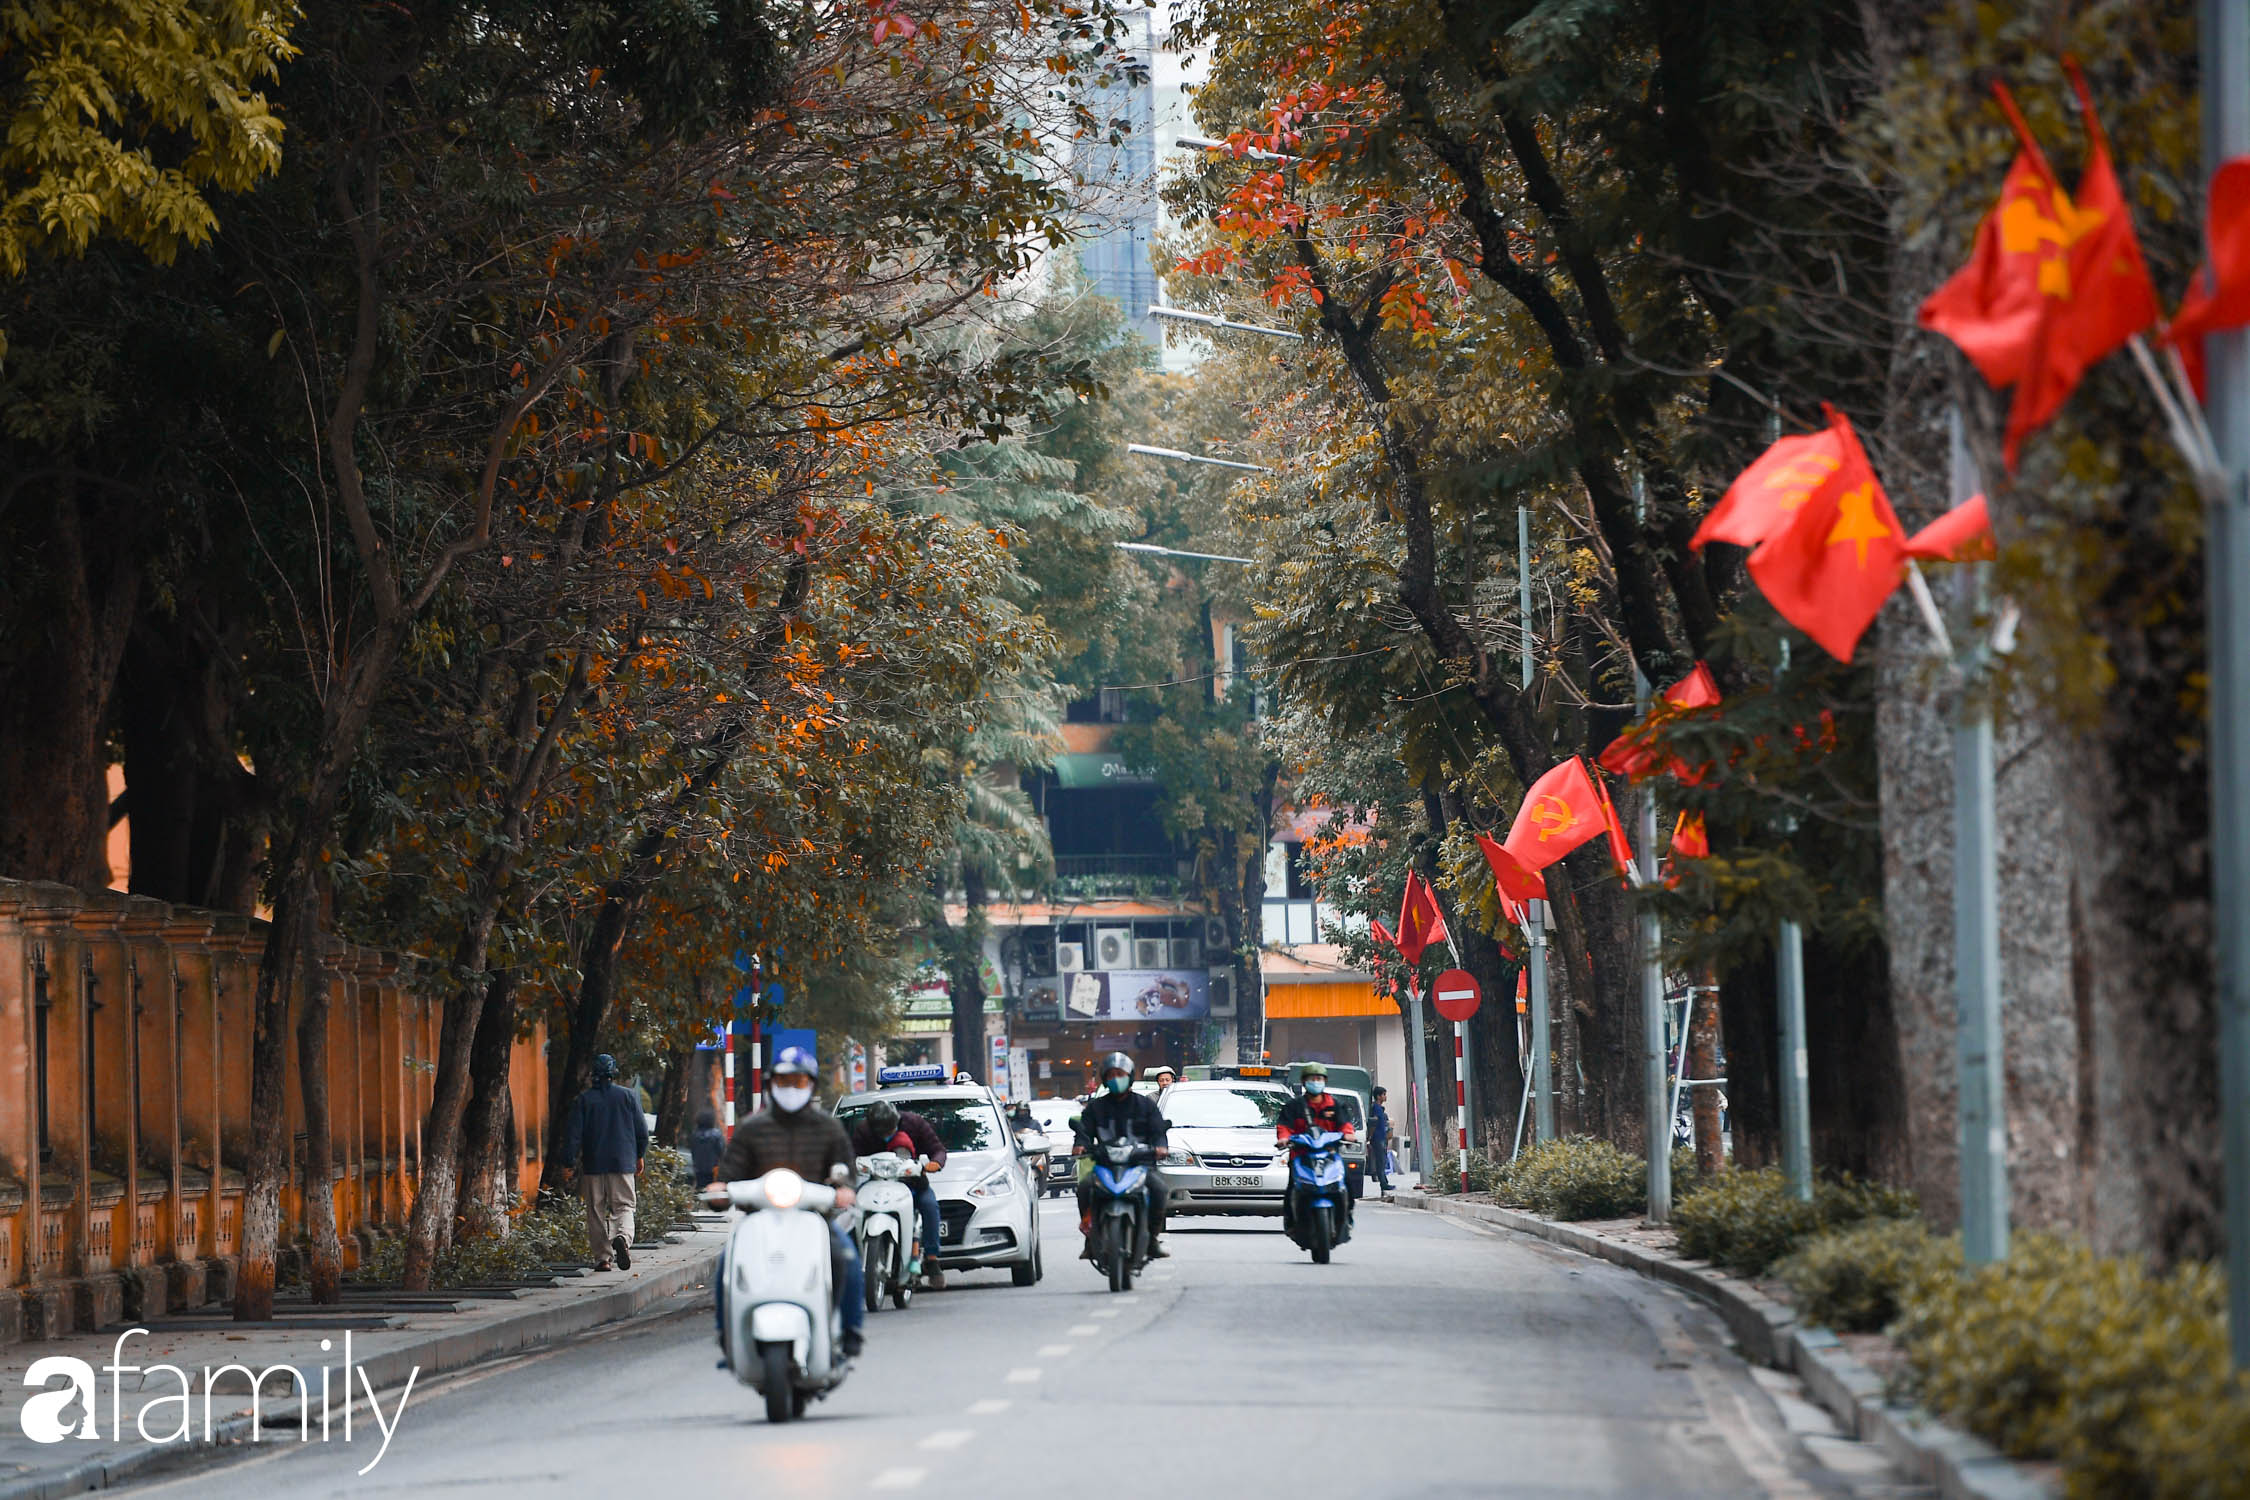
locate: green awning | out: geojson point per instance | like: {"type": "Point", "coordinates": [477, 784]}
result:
{"type": "Point", "coordinates": [1094, 768]}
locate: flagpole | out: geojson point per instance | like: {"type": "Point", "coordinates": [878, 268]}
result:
{"type": "Point", "coordinates": [1976, 935]}
{"type": "Point", "coordinates": [1425, 1158]}
{"type": "Point", "coordinates": [2225, 30]}
{"type": "Point", "coordinates": [1655, 1050]}
{"type": "Point", "coordinates": [1542, 1045]}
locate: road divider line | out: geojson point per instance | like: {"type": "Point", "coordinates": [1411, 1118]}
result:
{"type": "Point", "coordinates": [1053, 1351]}
{"type": "Point", "coordinates": [1022, 1375]}
{"type": "Point", "coordinates": [989, 1407]}
{"type": "Point", "coordinates": [897, 1479]}
{"type": "Point", "coordinates": [1083, 1330]}
{"type": "Point", "coordinates": [1107, 1312]}
{"type": "Point", "coordinates": [951, 1437]}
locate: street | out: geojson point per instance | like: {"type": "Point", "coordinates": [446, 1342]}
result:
{"type": "Point", "coordinates": [1429, 1359]}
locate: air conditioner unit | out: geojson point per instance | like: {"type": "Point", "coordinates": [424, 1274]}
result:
{"type": "Point", "coordinates": [1187, 953]}
{"type": "Point", "coordinates": [1113, 948]}
{"type": "Point", "coordinates": [1070, 958]}
{"type": "Point", "coordinates": [1214, 934]}
{"type": "Point", "coordinates": [1150, 953]}
{"type": "Point", "coordinates": [1222, 992]}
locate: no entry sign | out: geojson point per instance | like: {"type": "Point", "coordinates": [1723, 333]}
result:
{"type": "Point", "coordinates": [1457, 994]}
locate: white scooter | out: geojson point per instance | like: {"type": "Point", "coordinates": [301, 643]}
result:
{"type": "Point", "coordinates": [783, 1328]}
{"type": "Point", "coordinates": [886, 1226]}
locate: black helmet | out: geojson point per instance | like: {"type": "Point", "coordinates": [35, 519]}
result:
{"type": "Point", "coordinates": [605, 1067]}
{"type": "Point", "coordinates": [883, 1115]}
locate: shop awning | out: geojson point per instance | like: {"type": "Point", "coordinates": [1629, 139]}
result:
{"type": "Point", "coordinates": [1306, 1002]}
{"type": "Point", "coordinates": [1091, 768]}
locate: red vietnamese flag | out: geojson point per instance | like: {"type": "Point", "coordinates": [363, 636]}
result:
{"type": "Point", "coordinates": [1696, 690]}
{"type": "Point", "coordinates": [2102, 300]}
{"type": "Point", "coordinates": [1620, 848]}
{"type": "Point", "coordinates": [1517, 884]}
{"type": "Point", "coordinates": [1992, 306]}
{"type": "Point", "coordinates": [1420, 923]}
{"type": "Point", "coordinates": [1561, 811]}
{"type": "Point", "coordinates": [1630, 755]}
{"type": "Point", "coordinates": [1830, 571]}
{"type": "Point", "coordinates": [1766, 495]}
{"type": "Point", "coordinates": [1382, 933]}
{"type": "Point", "coordinates": [1962, 534]}
{"type": "Point", "coordinates": [2219, 296]}
{"type": "Point", "coordinates": [1690, 839]}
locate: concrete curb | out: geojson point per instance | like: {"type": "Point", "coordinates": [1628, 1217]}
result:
{"type": "Point", "coordinates": [1959, 1465]}
{"type": "Point", "coordinates": [441, 1354]}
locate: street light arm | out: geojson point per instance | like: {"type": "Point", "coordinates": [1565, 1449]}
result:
{"type": "Point", "coordinates": [1147, 451]}
{"type": "Point", "coordinates": [1214, 320]}
{"type": "Point", "coordinates": [1152, 548]}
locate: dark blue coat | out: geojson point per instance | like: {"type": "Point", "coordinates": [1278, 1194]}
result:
{"type": "Point", "coordinates": [1379, 1127]}
{"type": "Point", "coordinates": [605, 1131]}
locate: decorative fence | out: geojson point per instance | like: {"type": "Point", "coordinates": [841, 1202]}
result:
{"type": "Point", "coordinates": [125, 1034]}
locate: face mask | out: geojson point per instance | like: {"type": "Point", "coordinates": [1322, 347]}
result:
{"type": "Point", "coordinates": [790, 1100]}
{"type": "Point", "coordinates": [1117, 1085]}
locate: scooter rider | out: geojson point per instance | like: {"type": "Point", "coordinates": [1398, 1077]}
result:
{"type": "Point", "coordinates": [1314, 1109]}
{"type": "Point", "coordinates": [798, 1134]}
{"type": "Point", "coordinates": [886, 1127]}
{"type": "Point", "coordinates": [1115, 1111]}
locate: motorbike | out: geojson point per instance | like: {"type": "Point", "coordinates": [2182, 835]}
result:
{"type": "Point", "coordinates": [886, 1226]}
{"type": "Point", "coordinates": [1319, 1214]}
{"type": "Point", "coordinates": [1032, 1142]}
{"type": "Point", "coordinates": [1120, 1203]}
{"type": "Point", "coordinates": [783, 1328]}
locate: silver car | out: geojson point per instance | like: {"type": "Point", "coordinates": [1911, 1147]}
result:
{"type": "Point", "coordinates": [1222, 1159]}
{"type": "Point", "coordinates": [988, 1197]}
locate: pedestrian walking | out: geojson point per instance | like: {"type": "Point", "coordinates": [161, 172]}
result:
{"type": "Point", "coordinates": [1379, 1141]}
{"type": "Point", "coordinates": [705, 1145]}
{"type": "Point", "coordinates": [603, 1140]}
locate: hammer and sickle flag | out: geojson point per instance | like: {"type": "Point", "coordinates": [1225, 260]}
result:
{"type": "Point", "coordinates": [1562, 810]}
{"type": "Point", "coordinates": [1768, 494]}
{"type": "Point", "coordinates": [1517, 884]}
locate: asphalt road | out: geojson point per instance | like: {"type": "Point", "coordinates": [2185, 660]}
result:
{"type": "Point", "coordinates": [1429, 1359]}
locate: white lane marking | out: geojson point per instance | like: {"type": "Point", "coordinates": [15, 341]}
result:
{"type": "Point", "coordinates": [951, 1437]}
{"type": "Point", "coordinates": [897, 1479]}
{"type": "Point", "coordinates": [1107, 1312]}
{"type": "Point", "coordinates": [1084, 1330]}
{"type": "Point", "coordinates": [1023, 1375]}
{"type": "Point", "coordinates": [1053, 1351]}
{"type": "Point", "coordinates": [989, 1407]}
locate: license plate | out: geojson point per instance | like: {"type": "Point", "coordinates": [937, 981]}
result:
{"type": "Point", "coordinates": [1236, 1182]}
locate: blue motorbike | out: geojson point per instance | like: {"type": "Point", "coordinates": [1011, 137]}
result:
{"type": "Point", "coordinates": [1120, 1203]}
{"type": "Point", "coordinates": [1319, 1215]}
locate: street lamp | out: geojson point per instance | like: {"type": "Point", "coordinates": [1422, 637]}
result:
{"type": "Point", "coordinates": [1194, 458]}
{"type": "Point", "coordinates": [1205, 143]}
{"type": "Point", "coordinates": [1214, 320]}
{"type": "Point", "coordinates": [1152, 548]}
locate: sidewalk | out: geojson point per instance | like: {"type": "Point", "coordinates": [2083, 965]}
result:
{"type": "Point", "coordinates": [390, 1336]}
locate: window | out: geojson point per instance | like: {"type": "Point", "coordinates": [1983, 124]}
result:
{"type": "Point", "coordinates": [961, 1124]}
{"type": "Point", "coordinates": [1222, 1109]}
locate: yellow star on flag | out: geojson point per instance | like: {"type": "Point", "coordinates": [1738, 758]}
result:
{"type": "Point", "coordinates": [1856, 521]}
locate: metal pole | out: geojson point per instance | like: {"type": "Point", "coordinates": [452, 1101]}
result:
{"type": "Point", "coordinates": [1654, 1048]}
{"type": "Point", "coordinates": [1796, 1105]}
{"type": "Point", "coordinates": [1976, 942]}
{"type": "Point", "coordinates": [1679, 1059]}
{"type": "Point", "coordinates": [728, 1064]}
{"type": "Point", "coordinates": [1523, 585]}
{"type": "Point", "coordinates": [1461, 1101]}
{"type": "Point", "coordinates": [2226, 134]}
{"type": "Point", "coordinates": [1425, 1155]}
{"type": "Point", "coordinates": [1542, 1047]}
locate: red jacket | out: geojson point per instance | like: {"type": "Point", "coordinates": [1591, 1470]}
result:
{"type": "Point", "coordinates": [914, 1137]}
{"type": "Point", "coordinates": [1323, 1111]}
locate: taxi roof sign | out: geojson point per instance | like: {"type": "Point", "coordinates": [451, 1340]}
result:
{"type": "Point", "coordinates": [887, 1078]}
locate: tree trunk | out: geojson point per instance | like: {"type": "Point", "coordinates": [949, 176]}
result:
{"type": "Point", "coordinates": [1750, 1026]}
{"type": "Point", "coordinates": [671, 1096]}
{"type": "Point", "coordinates": [57, 681]}
{"type": "Point", "coordinates": [1246, 928]}
{"type": "Point", "coordinates": [964, 970]}
{"type": "Point", "coordinates": [486, 1184]}
{"type": "Point", "coordinates": [320, 1152]}
{"type": "Point", "coordinates": [1703, 1062]}
{"type": "Point", "coordinates": [589, 1012]}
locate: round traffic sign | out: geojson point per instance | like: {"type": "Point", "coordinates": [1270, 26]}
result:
{"type": "Point", "coordinates": [1457, 994]}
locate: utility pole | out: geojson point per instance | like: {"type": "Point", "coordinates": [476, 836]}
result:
{"type": "Point", "coordinates": [1655, 1048]}
{"type": "Point", "coordinates": [1789, 992]}
{"type": "Point", "coordinates": [1535, 911]}
{"type": "Point", "coordinates": [2226, 134]}
{"type": "Point", "coordinates": [1976, 933]}
{"type": "Point", "coordinates": [1425, 1155]}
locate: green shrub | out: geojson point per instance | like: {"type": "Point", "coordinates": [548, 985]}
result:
{"type": "Point", "coordinates": [2119, 1373]}
{"type": "Point", "coordinates": [1745, 1221]}
{"type": "Point", "coordinates": [1576, 1177]}
{"type": "Point", "coordinates": [1484, 1173]}
{"type": "Point", "coordinates": [1856, 1278]}
{"type": "Point", "coordinates": [665, 1192]}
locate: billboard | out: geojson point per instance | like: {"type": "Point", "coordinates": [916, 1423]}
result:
{"type": "Point", "coordinates": [1136, 995]}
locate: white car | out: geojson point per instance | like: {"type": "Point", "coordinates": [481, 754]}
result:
{"type": "Point", "coordinates": [988, 1196]}
{"type": "Point", "coordinates": [1222, 1158]}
